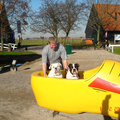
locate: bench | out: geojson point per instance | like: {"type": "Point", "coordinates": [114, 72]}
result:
{"type": "Point", "coordinates": [4, 45]}
{"type": "Point", "coordinates": [111, 47]}
{"type": "Point", "coordinates": [13, 46]}
{"type": "Point", "coordinates": [108, 47]}
{"type": "Point", "coordinates": [13, 67]}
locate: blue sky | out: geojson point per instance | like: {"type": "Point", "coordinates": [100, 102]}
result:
{"type": "Point", "coordinates": [35, 5]}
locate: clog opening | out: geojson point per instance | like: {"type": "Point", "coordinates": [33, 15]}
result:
{"type": "Point", "coordinates": [82, 74]}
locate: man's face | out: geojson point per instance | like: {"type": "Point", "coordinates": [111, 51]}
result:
{"type": "Point", "coordinates": [53, 46]}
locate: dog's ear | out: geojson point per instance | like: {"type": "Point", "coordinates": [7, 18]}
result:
{"type": "Point", "coordinates": [70, 65]}
{"type": "Point", "coordinates": [77, 65]}
{"type": "Point", "coordinates": [50, 67]}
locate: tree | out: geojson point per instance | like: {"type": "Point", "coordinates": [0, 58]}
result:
{"type": "Point", "coordinates": [11, 12]}
{"type": "Point", "coordinates": [46, 20]}
{"type": "Point", "coordinates": [99, 13]}
{"type": "Point", "coordinates": [55, 16]}
{"type": "Point", "coordinates": [42, 37]}
{"type": "Point", "coordinates": [71, 16]}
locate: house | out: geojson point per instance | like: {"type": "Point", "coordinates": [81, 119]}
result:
{"type": "Point", "coordinates": [8, 36]}
{"type": "Point", "coordinates": [108, 18]}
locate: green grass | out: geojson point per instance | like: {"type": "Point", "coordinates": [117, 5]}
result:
{"type": "Point", "coordinates": [1, 65]}
{"type": "Point", "coordinates": [17, 53]}
{"type": "Point", "coordinates": [74, 42]}
{"type": "Point", "coordinates": [44, 42]}
{"type": "Point", "coordinates": [33, 42]}
{"type": "Point", "coordinates": [70, 41]}
{"type": "Point", "coordinates": [117, 50]}
{"type": "Point", "coordinates": [13, 54]}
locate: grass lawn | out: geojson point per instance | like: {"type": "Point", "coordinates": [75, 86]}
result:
{"type": "Point", "coordinates": [44, 42]}
{"type": "Point", "coordinates": [7, 56]}
{"type": "Point", "coordinates": [30, 42]}
{"type": "Point", "coordinates": [37, 42]}
{"type": "Point", "coordinates": [116, 50]}
{"type": "Point", "coordinates": [77, 43]}
{"type": "Point", "coordinates": [17, 53]}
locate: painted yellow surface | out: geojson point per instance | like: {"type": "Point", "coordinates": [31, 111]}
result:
{"type": "Point", "coordinates": [77, 96]}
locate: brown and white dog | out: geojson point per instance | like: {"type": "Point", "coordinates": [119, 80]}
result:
{"type": "Point", "coordinates": [72, 71]}
{"type": "Point", "coordinates": [55, 70]}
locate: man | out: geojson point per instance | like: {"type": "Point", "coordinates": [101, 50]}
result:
{"type": "Point", "coordinates": [106, 43]}
{"type": "Point", "coordinates": [95, 43]}
{"type": "Point", "coordinates": [53, 53]}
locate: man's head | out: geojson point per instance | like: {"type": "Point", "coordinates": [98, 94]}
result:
{"type": "Point", "coordinates": [52, 42]}
{"type": "Point", "coordinates": [106, 40]}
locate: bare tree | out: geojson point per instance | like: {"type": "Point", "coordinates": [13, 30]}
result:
{"type": "Point", "coordinates": [11, 12]}
{"type": "Point", "coordinates": [42, 37]}
{"type": "Point", "coordinates": [99, 13]}
{"type": "Point", "coordinates": [71, 16]}
{"type": "Point", "coordinates": [46, 19]}
{"type": "Point", "coordinates": [54, 16]}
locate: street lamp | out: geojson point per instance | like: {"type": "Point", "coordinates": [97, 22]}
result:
{"type": "Point", "coordinates": [19, 31]}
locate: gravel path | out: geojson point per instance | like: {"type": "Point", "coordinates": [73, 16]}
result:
{"type": "Point", "coordinates": [17, 101]}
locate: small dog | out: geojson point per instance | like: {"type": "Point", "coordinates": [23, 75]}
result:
{"type": "Point", "coordinates": [55, 71]}
{"type": "Point", "coordinates": [72, 71]}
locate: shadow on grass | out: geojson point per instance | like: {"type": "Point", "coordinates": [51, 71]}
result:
{"type": "Point", "coordinates": [41, 45]}
{"type": "Point", "coordinates": [20, 59]}
{"type": "Point", "coordinates": [5, 70]}
{"type": "Point", "coordinates": [7, 59]}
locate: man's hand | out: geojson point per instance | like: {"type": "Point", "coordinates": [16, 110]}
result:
{"type": "Point", "coordinates": [65, 66]}
{"type": "Point", "coordinates": [66, 70]}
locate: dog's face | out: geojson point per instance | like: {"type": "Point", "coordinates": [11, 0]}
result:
{"type": "Point", "coordinates": [73, 68]}
{"type": "Point", "coordinates": [55, 68]}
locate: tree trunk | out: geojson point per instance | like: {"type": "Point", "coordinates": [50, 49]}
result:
{"type": "Point", "coordinates": [66, 38]}
{"type": "Point", "coordinates": [98, 33]}
{"type": "Point", "coordinates": [2, 27]}
{"type": "Point", "coordinates": [56, 36]}
{"type": "Point", "coordinates": [1, 37]}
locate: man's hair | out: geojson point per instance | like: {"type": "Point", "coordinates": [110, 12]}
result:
{"type": "Point", "coordinates": [52, 40]}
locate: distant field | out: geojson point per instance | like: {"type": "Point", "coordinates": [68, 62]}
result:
{"type": "Point", "coordinates": [74, 42]}
{"type": "Point", "coordinates": [43, 42]}
{"type": "Point", "coordinates": [30, 42]}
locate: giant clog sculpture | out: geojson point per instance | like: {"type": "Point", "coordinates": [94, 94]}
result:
{"type": "Point", "coordinates": [97, 91]}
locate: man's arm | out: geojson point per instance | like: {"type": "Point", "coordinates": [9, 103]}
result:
{"type": "Point", "coordinates": [65, 65]}
{"type": "Point", "coordinates": [44, 69]}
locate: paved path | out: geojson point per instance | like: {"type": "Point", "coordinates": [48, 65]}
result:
{"type": "Point", "coordinates": [17, 101]}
